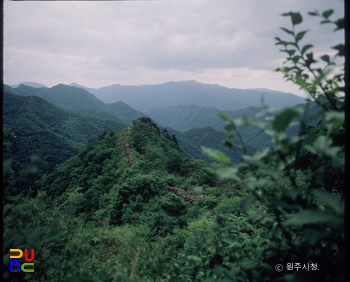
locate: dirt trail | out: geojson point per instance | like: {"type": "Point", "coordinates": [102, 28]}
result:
{"type": "Point", "coordinates": [127, 148]}
{"type": "Point", "coordinates": [177, 191]}
{"type": "Point", "coordinates": [181, 193]}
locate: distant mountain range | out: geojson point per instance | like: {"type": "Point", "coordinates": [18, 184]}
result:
{"type": "Point", "coordinates": [188, 117]}
{"type": "Point", "coordinates": [29, 83]}
{"type": "Point", "coordinates": [147, 97]}
{"type": "Point", "coordinates": [191, 141]}
{"type": "Point", "coordinates": [60, 120]}
{"type": "Point", "coordinates": [55, 134]}
{"type": "Point", "coordinates": [81, 101]}
{"type": "Point", "coordinates": [71, 98]}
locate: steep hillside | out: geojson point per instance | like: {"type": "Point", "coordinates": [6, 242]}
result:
{"type": "Point", "coordinates": [81, 101]}
{"type": "Point", "coordinates": [47, 131]}
{"type": "Point", "coordinates": [134, 164]}
{"type": "Point", "coordinates": [147, 97]}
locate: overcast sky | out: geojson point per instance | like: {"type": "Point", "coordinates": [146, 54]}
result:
{"type": "Point", "coordinates": [95, 44]}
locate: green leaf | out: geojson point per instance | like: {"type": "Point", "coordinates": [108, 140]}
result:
{"type": "Point", "coordinates": [287, 30]}
{"type": "Point", "coordinates": [191, 241]}
{"type": "Point", "coordinates": [334, 120]}
{"type": "Point", "coordinates": [247, 202]}
{"type": "Point", "coordinates": [285, 15]}
{"type": "Point", "coordinates": [212, 242]}
{"type": "Point", "coordinates": [6, 165]}
{"type": "Point", "coordinates": [283, 118]}
{"type": "Point", "coordinates": [313, 217]}
{"type": "Point", "coordinates": [284, 205]}
{"type": "Point", "coordinates": [327, 13]}
{"type": "Point", "coordinates": [235, 270]}
{"type": "Point", "coordinates": [227, 239]}
{"type": "Point", "coordinates": [296, 18]}
{"type": "Point", "coordinates": [230, 127]}
{"type": "Point", "coordinates": [247, 265]}
{"type": "Point", "coordinates": [305, 48]}
{"type": "Point", "coordinates": [252, 121]}
{"type": "Point", "coordinates": [319, 146]}
{"type": "Point", "coordinates": [28, 169]}
{"type": "Point", "coordinates": [202, 245]}
{"type": "Point", "coordinates": [254, 160]}
{"type": "Point", "coordinates": [300, 35]}
{"type": "Point", "coordinates": [325, 58]}
{"type": "Point", "coordinates": [55, 231]}
{"type": "Point", "coordinates": [199, 232]}
{"type": "Point", "coordinates": [219, 271]}
{"type": "Point", "coordinates": [289, 52]}
{"type": "Point", "coordinates": [291, 43]}
{"type": "Point", "coordinates": [31, 236]}
{"type": "Point", "coordinates": [339, 23]}
{"type": "Point", "coordinates": [181, 259]}
{"type": "Point", "coordinates": [313, 13]}
{"type": "Point", "coordinates": [329, 200]}
{"type": "Point", "coordinates": [224, 116]}
{"type": "Point", "coordinates": [325, 21]}
{"type": "Point", "coordinates": [216, 155]}
{"type": "Point", "coordinates": [313, 236]}
{"type": "Point", "coordinates": [228, 173]}
{"type": "Point", "coordinates": [296, 58]}
{"type": "Point", "coordinates": [215, 226]}
{"type": "Point", "coordinates": [340, 48]}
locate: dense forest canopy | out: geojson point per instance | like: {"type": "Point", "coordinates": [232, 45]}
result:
{"type": "Point", "coordinates": [123, 208]}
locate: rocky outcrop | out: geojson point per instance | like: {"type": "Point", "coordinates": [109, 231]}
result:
{"type": "Point", "coordinates": [182, 194]}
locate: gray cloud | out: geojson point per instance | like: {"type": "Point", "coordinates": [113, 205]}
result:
{"type": "Point", "coordinates": [102, 43]}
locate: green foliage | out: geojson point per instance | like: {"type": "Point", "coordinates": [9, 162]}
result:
{"type": "Point", "coordinates": [325, 91]}
{"type": "Point", "coordinates": [131, 194]}
{"type": "Point", "coordinates": [303, 229]}
{"type": "Point", "coordinates": [6, 135]}
{"type": "Point", "coordinates": [105, 219]}
{"type": "Point", "coordinates": [43, 130]}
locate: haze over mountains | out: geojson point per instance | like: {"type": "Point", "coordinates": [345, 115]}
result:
{"type": "Point", "coordinates": [29, 83]}
{"type": "Point", "coordinates": [179, 106]}
{"type": "Point", "coordinates": [81, 101]}
{"type": "Point", "coordinates": [147, 97]}
{"type": "Point", "coordinates": [61, 119]}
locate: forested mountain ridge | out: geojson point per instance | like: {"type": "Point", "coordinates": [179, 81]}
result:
{"type": "Point", "coordinates": [118, 205]}
{"type": "Point", "coordinates": [147, 97]}
{"type": "Point", "coordinates": [192, 140]}
{"type": "Point", "coordinates": [49, 132]}
{"type": "Point", "coordinates": [142, 158]}
{"type": "Point", "coordinates": [188, 117]}
{"type": "Point", "coordinates": [81, 101]}
{"type": "Point", "coordinates": [29, 83]}
{"type": "Point", "coordinates": [55, 135]}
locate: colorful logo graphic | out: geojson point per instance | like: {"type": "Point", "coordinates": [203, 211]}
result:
{"type": "Point", "coordinates": [17, 264]}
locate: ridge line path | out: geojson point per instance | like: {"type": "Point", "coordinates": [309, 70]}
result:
{"type": "Point", "coordinates": [182, 194]}
{"type": "Point", "coordinates": [127, 147]}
